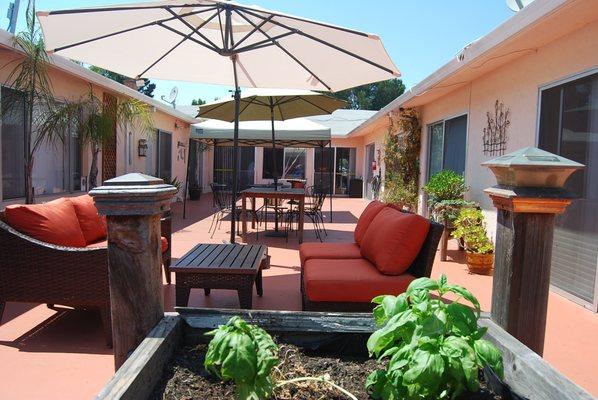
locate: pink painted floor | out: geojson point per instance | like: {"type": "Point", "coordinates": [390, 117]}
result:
{"type": "Point", "coordinates": [60, 354]}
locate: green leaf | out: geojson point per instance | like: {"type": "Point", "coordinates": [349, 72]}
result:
{"type": "Point", "coordinates": [464, 321]}
{"type": "Point", "coordinates": [425, 368]}
{"type": "Point", "coordinates": [396, 328]}
{"type": "Point", "coordinates": [466, 294]}
{"type": "Point", "coordinates": [435, 324]}
{"type": "Point", "coordinates": [388, 307]}
{"type": "Point", "coordinates": [374, 384]}
{"type": "Point", "coordinates": [490, 356]}
{"type": "Point", "coordinates": [423, 283]}
{"type": "Point", "coordinates": [240, 363]}
{"type": "Point", "coordinates": [442, 282]}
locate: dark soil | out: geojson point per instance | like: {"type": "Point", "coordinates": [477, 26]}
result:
{"type": "Point", "coordinates": [185, 377]}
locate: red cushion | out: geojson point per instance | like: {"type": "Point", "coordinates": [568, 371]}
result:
{"type": "Point", "coordinates": [366, 218]}
{"type": "Point", "coordinates": [355, 280]}
{"type": "Point", "coordinates": [92, 224]}
{"type": "Point", "coordinates": [54, 222]}
{"type": "Point", "coordinates": [104, 243]}
{"type": "Point", "coordinates": [394, 240]}
{"type": "Point", "coordinates": [308, 251]}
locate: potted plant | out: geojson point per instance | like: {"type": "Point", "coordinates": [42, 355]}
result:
{"type": "Point", "coordinates": [445, 192]}
{"type": "Point", "coordinates": [194, 193]}
{"type": "Point", "coordinates": [471, 230]}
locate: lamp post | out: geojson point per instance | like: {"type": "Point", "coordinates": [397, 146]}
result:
{"type": "Point", "coordinates": [529, 194]}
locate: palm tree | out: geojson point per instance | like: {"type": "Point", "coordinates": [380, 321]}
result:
{"type": "Point", "coordinates": [94, 121]}
{"type": "Point", "coordinates": [31, 90]}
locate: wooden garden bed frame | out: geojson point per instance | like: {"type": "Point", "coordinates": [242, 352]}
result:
{"type": "Point", "coordinates": [525, 372]}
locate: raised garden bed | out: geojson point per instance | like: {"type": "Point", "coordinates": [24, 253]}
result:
{"type": "Point", "coordinates": [337, 339]}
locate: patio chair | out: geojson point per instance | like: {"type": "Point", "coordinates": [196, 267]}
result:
{"type": "Point", "coordinates": [313, 210]}
{"type": "Point", "coordinates": [222, 198]}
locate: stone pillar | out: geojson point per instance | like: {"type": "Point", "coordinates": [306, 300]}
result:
{"type": "Point", "coordinates": [529, 195]}
{"type": "Point", "coordinates": [133, 204]}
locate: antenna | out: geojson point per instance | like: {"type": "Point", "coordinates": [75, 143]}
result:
{"type": "Point", "coordinates": [518, 5]}
{"type": "Point", "coordinates": [174, 92]}
{"type": "Point", "coordinates": [12, 15]}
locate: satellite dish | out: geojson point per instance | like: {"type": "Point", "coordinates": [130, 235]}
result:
{"type": "Point", "coordinates": [174, 92]}
{"type": "Point", "coordinates": [518, 5]}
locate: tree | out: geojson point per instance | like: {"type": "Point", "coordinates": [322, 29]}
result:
{"type": "Point", "coordinates": [198, 102]}
{"type": "Point", "coordinates": [31, 91]}
{"type": "Point", "coordinates": [147, 89]}
{"type": "Point", "coordinates": [94, 122]}
{"type": "Point", "coordinates": [373, 96]}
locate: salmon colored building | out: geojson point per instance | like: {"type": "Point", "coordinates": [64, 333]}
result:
{"type": "Point", "coordinates": [542, 65]}
{"type": "Point", "coordinates": [62, 168]}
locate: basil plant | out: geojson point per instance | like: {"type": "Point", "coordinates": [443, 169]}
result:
{"type": "Point", "coordinates": [435, 348]}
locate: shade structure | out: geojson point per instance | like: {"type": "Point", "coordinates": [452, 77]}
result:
{"type": "Point", "coordinates": [277, 104]}
{"type": "Point", "coordinates": [298, 132]}
{"type": "Point", "coordinates": [218, 42]}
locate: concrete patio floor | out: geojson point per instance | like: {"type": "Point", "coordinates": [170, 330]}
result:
{"type": "Point", "coordinates": [61, 354]}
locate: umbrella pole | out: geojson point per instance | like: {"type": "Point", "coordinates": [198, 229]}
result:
{"type": "Point", "coordinates": [331, 181]}
{"type": "Point", "coordinates": [275, 165]}
{"type": "Point", "coordinates": [237, 96]}
{"type": "Point", "coordinates": [186, 181]}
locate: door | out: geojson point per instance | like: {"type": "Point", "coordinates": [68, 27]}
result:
{"type": "Point", "coordinates": [344, 170]}
{"type": "Point", "coordinates": [223, 166]}
{"type": "Point", "coordinates": [165, 155]}
{"type": "Point", "coordinates": [569, 127]}
{"type": "Point", "coordinates": [195, 164]}
{"type": "Point", "coordinates": [323, 169]}
{"type": "Point", "coordinates": [370, 157]}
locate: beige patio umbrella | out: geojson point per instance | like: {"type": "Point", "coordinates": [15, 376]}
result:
{"type": "Point", "coordinates": [273, 104]}
{"type": "Point", "coordinates": [219, 42]}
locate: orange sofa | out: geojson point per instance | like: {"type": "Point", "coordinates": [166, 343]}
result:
{"type": "Point", "coordinates": [56, 253]}
{"type": "Point", "coordinates": [391, 249]}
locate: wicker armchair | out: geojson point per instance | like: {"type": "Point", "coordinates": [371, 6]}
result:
{"type": "Point", "coordinates": [38, 272]}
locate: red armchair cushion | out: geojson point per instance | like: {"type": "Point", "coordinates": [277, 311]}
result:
{"type": "Point", "coordinates": [92, 224]}
{"type": "Point", "coordinates": [366, 217]}
{"type": "Point", "coordinates": [393, 240]}
{"type": "Point", "coordinates": [355, 280]}
{"type": "Point", "coordinates": [163, 244]}
{"type": "Point", "coordinates": [54, 222]}
{"type": "Point", "coordinates": [308, 251]}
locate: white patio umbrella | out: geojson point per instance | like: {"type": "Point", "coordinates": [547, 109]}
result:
{"type": "Point", "coordinates": [219, 42]}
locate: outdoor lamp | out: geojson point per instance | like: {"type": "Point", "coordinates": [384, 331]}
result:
{"type": "Point", "coordinates": [529, 195]}
{"type": "Point", "coordinates": [142, 148]}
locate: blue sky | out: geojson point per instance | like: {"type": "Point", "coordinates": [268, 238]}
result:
{"type": "Point", "coordinates": [420, 35]}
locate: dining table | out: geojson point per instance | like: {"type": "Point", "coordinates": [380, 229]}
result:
{"type": "Point", "coordinates": [277, 193]}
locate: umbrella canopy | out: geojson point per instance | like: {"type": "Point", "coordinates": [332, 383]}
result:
{"type": "Point", "coordinates": [298, 132]}
{"type": "Point", "coordinates": [278, 104]}
{"type": "Point", "coordinates": [218, 42]}
{"type": "Point", "coordinates": [193, 40]}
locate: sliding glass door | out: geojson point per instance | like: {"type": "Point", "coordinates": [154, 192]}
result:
{"type": "Point", "coordinates": [569, 127]}
{"type": "Point", "coordinates": [223, 166]}
{"type": "Point", "coordinates": [344, 170]}
{"type": "Point", "coordinates": [447, 140]}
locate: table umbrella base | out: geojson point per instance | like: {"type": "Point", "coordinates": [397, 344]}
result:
{"type": "Point", "coordinates": [275, 233]}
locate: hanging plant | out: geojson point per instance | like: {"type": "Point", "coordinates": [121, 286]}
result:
{"type": "Point", "coordinates": [401, 158]}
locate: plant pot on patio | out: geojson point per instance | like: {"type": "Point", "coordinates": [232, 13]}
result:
{"type": "Point", "coordinates": [194, 194]}
{"type": "Point", "coordinates": [481, 264]}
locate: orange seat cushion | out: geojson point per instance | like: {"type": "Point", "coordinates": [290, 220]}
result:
{"type": "Point", "coordinates": [104, 243]}
{"type": "Point", "coordinates": [92, 224]}
{"type": "Point", "coordinates": [54, 222]}
{"type": "Point", "coordinates": [355, 280]}
{"type": "Point", "coordinates": [365, 219]}
{"type": "Point", "coordinates": [394, 239]}
{"type": "Point", "coordinates": [308, 251]}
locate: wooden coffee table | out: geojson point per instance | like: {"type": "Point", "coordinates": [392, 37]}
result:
{"type": "Point", "coordinates": [221, 266]}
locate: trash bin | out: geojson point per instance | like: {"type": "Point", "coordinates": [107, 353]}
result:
{"type": "Point", "coordinates": [356, 188]}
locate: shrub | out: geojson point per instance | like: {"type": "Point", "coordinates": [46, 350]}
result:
{"type": "Point", "coordinates": [435, 349]}
{"type": "Point", "coordinates": [470, 227]}
{"type": "Point", "coordinates": [445, 185]}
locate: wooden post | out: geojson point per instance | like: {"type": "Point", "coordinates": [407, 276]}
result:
{"type": "Point", "coordinates": [521, 282]}
{"type": "Point", "coordinates": [133, 204]}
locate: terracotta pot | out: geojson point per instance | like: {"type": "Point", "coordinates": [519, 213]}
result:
{"type": "Point", "coordinates": [482, 264]}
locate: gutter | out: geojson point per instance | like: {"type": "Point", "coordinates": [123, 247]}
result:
{"type": "Point", "coordinates": [518, 23]}
{"type": "Point", "coordinates": [71, 68]}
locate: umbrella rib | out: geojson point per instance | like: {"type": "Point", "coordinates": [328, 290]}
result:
{"type": "Point", "coordinates": [123, 8]}
{"type": "Point", "coordinates": [194, 30]}
{"type": "Point", "coordinates": [321, 41]}
{"type": "Point", "coordinates": [264, 22]}
{"type": "Point", "coordinates": [286, 51]}
{"type": "Point", "coordinates": [207, 46]}
{"type": "Point", "coordinates": [264, 43]}
{"type": "Point", "coordinates": [204, 37]}
{"type": "Point", "coordinates": [125, 31]}
{"type": "Point", "coordinates": [315, 105]}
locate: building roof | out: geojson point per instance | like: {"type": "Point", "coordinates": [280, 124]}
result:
{"type": "Point", "coordinates": [341, 122]}
{"type": "Point", "coordinates": [86, 74]}
{"type": "Point", "coordinates": [538, 24]}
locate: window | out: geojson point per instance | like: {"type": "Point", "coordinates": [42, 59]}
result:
{"type": "Point", "coordinates": [164, 155]}
{"type": "Point", "coordinates": [569, 127]}
{"type": "Point", "coordinates": [290, 163]}
{"type": "Point", "coordinates": [223, 166]}
{"type": "Point", "coordinates": [447, 145]}
{"type": "Point", "coordinates": [56, 168]}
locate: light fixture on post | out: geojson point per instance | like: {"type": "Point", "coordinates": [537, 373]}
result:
{"type": "Point", "coordinates": [530, 193]}
{"type": "Point", "coordinates": [142, 148]}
